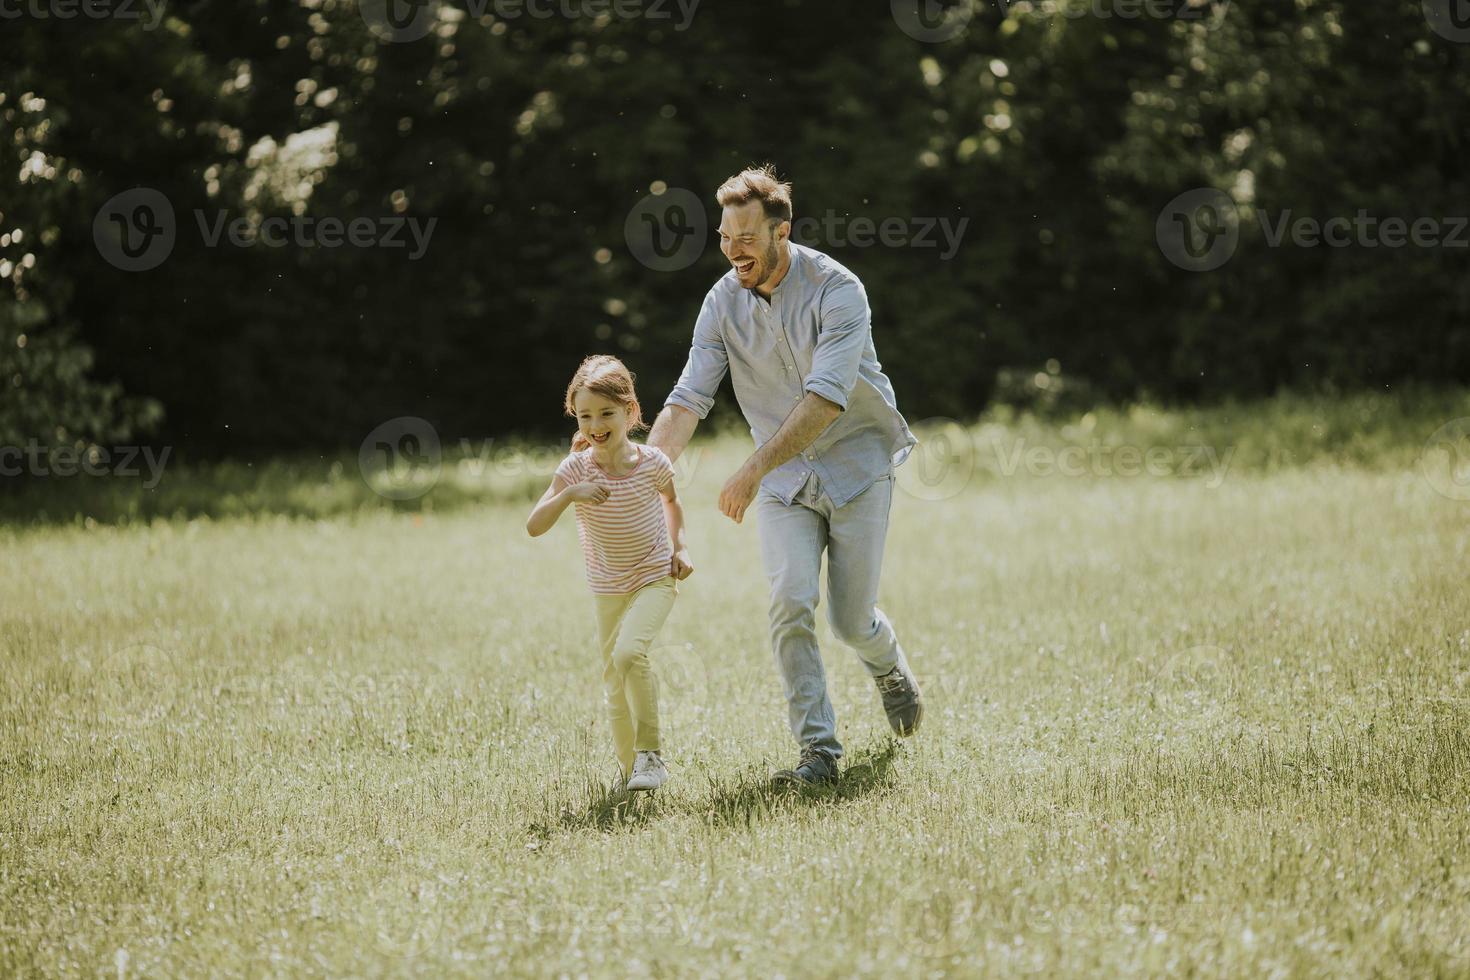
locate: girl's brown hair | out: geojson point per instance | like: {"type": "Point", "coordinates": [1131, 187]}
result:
{"type": "Point", "coordinates": [605, 375]}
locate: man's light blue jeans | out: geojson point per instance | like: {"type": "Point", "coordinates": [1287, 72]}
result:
{"type": "Point", "coordinates": [793, 538]}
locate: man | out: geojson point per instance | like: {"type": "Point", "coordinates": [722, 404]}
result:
{"type": "Point", "coordinates": [793, 328]}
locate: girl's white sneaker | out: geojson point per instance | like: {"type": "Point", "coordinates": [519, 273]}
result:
{"type": "Point", "coordinates": [649, 773]}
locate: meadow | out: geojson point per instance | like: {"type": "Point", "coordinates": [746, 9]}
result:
{"type": "Point", "coordinates": [1184, 717]}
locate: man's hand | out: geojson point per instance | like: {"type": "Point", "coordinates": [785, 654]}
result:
{"type": "Point", "coordinates": [739, 491]}
{"type": "Point", "coordinates": [682, 567]}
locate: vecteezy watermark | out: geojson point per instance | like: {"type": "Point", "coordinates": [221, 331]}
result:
{"type": "Point", "coordinates": [948, 455]}
{"type": "Point", "coordinates": [938, 923]}
{"type": "Point", "coordinates": [839, 231]}
{"type": "Point", "coordinates": [129, 682]}
{"type": "Point", "coordinates": [1445, 460]}
{"type": "Point", "coordinates": [943, 462]}
{"type": "Point", "coordinates": [1193, 680]}
{"type": "Point", "coordinates": [136, 231]}
{"type": "Point", "coordinates": [1450, 19]}
{"type": "Point", "coordinates": [402, 21]}
{"type": "Point", "coordinates": [393, 231]}
{"type": "Point", "coordinates": [668, 230]}
{"type": "Point", "coordinates": [148, 11]}
{"type": "Point", "coordinates": [931, 21]}
{"type": "Point", "coordinates": [1199, 230]}
{"type": "Point", "coordinates": [1207, 12]}
{"type": "Point", "coordinates": [34, 459]}
{"type": "Point", "coordinates": [406, 913]}
{"type": "Point", "coordinates": [401, 459]}
{"type": "Point", "coordinates": [1102, 460]}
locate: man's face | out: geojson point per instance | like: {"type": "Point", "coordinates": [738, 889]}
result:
{"type": "Point", "coordinates": [751, 243]}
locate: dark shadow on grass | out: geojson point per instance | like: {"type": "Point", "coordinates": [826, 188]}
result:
{"type": "Point", "coordinates": [743, 800]}
{"type": "Point", "coordinates": [595, 807]}
{"type": "Point", "coordinates": [753, 797]}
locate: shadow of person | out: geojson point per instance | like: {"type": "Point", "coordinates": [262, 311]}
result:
{"type": "Point", "coordinates": [753, 796]}
{"type": "Point", "coordinates": [742, 800]}
{"type": "Point", "coordinates": [596, 807]}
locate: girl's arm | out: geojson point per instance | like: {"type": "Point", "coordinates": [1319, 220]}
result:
{"type": "Point", "coordinates": [548, 509]}
{"type": "Point", "coordinates": [674, 515]}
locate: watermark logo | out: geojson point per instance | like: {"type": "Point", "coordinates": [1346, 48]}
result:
{"type": "Point", "coordinates": [135, 230]}
{"type": "Point", "coordinates": [685, 692]}
{"type": "Point", "coordinates": [931, 22]}
{"type": "Point", "coordinates": [937, 923]}
{"type": "Point", "coordinates": [1450, 19]}
{"type": "Point", "coordinates": [1193, 680]}
{"type": "Point", "coordinates": [1100, 459]}
{"type": "Point", "coordinates": [1445, 460]}
{"type": "Point", "coordinates": [943, 462]}
{"type": "Point", "coordinates": [406, 914]}
{"type": "Point", "coordinates": [668, 230]}
{"type": "Point", "coordinates": [846, 231]}
{"type": "Point", "coordinates": [948, 455]}
{"type": "Point", "coordinates": [1363, 231]}
{"type": "Point", "coordinates": [150, 12]}
{"type": "Point", "coordinates": [401, 459]}
{"type": "Point", "coordinates": [398, 21]}
{"type": "Point", "coordinates": [1208, 12]}
{"type": "Point", "coordinates": [402, 21]}
{"type": "Point", "coordinates": [1199, 230]}
{"type": "Point", "coordinates": [135, 682]}
{"type": "Point", "coordinates": [680, 672]}
{"type": "Point", "coordinates": [395, 231]}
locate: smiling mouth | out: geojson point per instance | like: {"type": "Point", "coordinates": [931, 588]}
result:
{"type": "Point", "coordinates": [600, 439]}
{"type": "Point", "coordinates": [745, 268]}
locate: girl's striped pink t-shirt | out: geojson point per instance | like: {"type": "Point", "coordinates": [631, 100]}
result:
{"type": "Point", "coordinates": [625, 539]}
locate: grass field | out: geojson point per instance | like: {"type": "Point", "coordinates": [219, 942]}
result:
{"type": "Point", "coordinates": [1195, 721]}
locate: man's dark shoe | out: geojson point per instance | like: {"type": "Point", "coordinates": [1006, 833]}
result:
{"type": "Point", "coordinates": [901, 700]}
{"type": "Point", "coordinates": [817, 766]}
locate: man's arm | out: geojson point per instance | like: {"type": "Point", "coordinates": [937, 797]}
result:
{"type": "Point", "coordinates": [673, 429]}
{"type": "Point", "coordinates": [694, 394]}
{"type": "Point", "coordinates": [807, 420]}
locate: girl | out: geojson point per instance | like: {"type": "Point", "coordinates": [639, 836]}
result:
{"type": "Point", "coordinates": [632, 532]}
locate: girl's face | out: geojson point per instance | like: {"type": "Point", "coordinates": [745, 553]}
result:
{"type": "Point", "coordinates": [603, 421]}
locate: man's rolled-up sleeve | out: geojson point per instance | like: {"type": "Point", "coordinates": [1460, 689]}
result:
{"type": "Point", "coordinates": [841, 340]}
{"type": "Point", "coordinates": [707, 365]}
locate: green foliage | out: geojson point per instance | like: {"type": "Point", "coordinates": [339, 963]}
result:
{"type": "Point", "coordinates": [52, 397]}
{"type": "Point", "coordinates": [1056, 133]}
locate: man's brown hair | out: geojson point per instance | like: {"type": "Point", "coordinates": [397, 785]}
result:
{"type": "Point", "coordinates": [758, 184]}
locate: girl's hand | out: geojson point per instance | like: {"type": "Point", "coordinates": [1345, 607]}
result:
{"type": "Point", "coordinates": [587, 492]}
{"type": "Point", "coordinates": [682, 566]}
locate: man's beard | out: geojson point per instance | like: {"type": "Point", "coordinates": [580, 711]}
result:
{"type": "Point", "coordinates": [766, 267]}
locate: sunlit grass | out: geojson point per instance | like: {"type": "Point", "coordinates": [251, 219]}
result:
{"type": "Point", "coordinates": [1172, 728]}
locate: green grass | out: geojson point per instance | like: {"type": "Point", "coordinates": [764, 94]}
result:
{"type": "Point", "coordinates": [1173, 728]}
